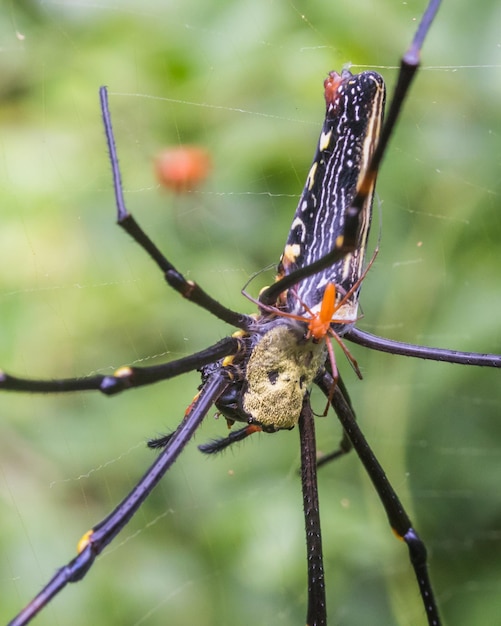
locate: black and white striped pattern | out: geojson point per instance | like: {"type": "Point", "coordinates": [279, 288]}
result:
{"type": "Point", "coordinates": [355, 105]}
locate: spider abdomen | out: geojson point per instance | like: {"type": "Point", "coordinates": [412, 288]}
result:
{"type": "Point", "coordinates": [280, 370]}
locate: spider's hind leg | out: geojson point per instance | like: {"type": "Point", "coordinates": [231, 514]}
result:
{"type": "Point", "coordinates": [345, 444]}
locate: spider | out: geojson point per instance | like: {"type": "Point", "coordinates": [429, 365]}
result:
{"type": "Point", "coordinates": [277, 325]}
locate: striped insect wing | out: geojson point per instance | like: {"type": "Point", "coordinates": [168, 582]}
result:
{"type": "Point", "coordinates": [355, 106]}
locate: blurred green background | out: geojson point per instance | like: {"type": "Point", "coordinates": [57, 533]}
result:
{"type": "Point", "coordinates": [221, 540]}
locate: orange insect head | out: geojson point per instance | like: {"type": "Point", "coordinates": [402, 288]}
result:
{"type": "Point", "coordinates": [331, 83]}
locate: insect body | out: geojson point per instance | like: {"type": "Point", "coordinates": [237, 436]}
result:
{"type": "Point", "coordinates": [285, 351]}
{"type": "Point", "coordinates": [355, 105]}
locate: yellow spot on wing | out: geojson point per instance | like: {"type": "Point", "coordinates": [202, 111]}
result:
{"type": "Point", "coordinates": [325, 139]}
{"type": "Point", "coordinates": [310, 181]}
{"type": "Point", "coordinates": [291, 252]}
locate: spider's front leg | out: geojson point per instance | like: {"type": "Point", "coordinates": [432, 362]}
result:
{"type": "Point", "coordinates": [95, 540]}
{"type": "Point", "coordinates": [188, 289]}
{"type": "Point", "coordinates": [126, 377]}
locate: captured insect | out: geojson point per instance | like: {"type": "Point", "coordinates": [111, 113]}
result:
{"type": "Point", "coordinates": [262, 375]}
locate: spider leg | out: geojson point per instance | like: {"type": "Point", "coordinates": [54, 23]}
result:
{"type": "Point", "coordinates": [316, 612]}
{"type": "Point", "coordinates": [345, 445]}
{"type": "Point", "coordinates": [421, 352]}
{"type": "Point", "coordinates": [347, 242]}
{"type": "Point", "coordinates": [96, 539]}
{"type": "Point", "coordinates": [125, 377]}
{"type": "Point", "coordinates": [397, 516]}
{"type": "Point", "coordinates": [215, 445]}
{"type": "Point", "coordinates": [187, 288]}
{"type": "Point", "coordinates": [220, 444]}
{"type": "Point", "coordinates": [409, 64]}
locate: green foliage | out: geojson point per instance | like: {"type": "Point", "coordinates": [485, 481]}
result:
{"type": "Point", "coordinates": [221, 540]}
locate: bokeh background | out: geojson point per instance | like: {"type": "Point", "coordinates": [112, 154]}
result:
{"type": "Point", "coordinates": [221, 540]}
